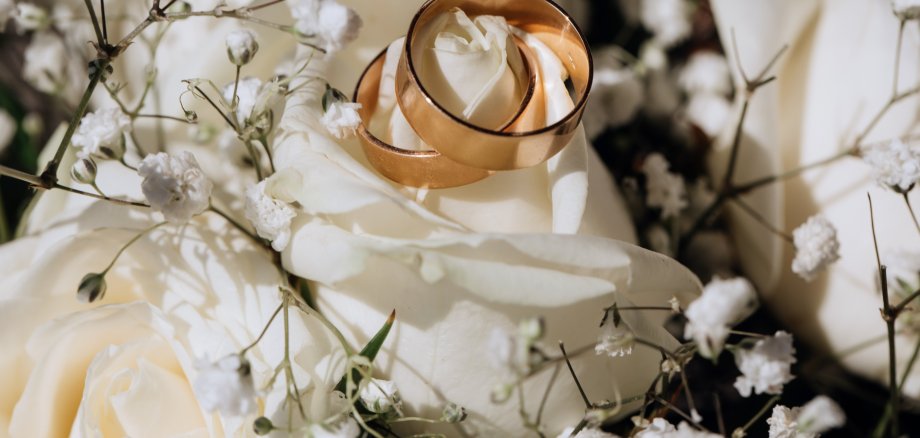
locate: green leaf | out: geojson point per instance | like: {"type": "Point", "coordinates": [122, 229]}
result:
{"type": "Point", "coordinates": [369, 351]}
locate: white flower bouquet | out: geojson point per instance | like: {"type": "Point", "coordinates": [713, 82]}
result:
{"type": "Point", "coordinates": [209, 244]}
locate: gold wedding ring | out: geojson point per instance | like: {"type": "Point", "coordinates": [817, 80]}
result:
{"type": "Point", "coordinates": [431, 169]}
{"type": "Point", "coordinates": [527, 142]}
{"type": "Point", "coordinates": [410, 168]}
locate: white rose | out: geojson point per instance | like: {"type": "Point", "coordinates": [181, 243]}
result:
{"type": "Point", "coordinates": [69, 366]}
{"type": "Point", "coordinates": [813, 112]}
{"type": "Point", "coordinates": [458, 263]}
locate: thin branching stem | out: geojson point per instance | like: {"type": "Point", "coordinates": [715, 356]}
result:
{"type": "Point", "coordinates": [264, 331]}
{"type": "Point", "coordinates": [910, 208]}
{"type": "Point", "coordinates": [889, 317]}
{"type": "Point", "coordinates": [100, 39]}
{"type": "Point", "coordinates": [766, 407]}
{"type": "Point", "coordinates": [762, 220]}
{"type": "Point", "coordinates": [128, 245]}
{"type": "Point", "coordinates": [581, 390]}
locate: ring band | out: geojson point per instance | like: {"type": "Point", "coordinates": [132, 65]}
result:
{"type": "Point", "coordinates": [410, 168]}
{"type": "Point", "coordinates": [474, 146]}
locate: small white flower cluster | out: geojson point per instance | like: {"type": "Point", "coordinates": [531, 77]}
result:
{"type": "Point", "coordinates": [271, 216]}
{"type": "Point", "coordinates": [895, 165]}
{"type": "Point", "coordinates": [511, 354]}
{"type": "Point", "coordinates": [616, 96]}
{"type": "Point", "coordinates": [226, 386]}
{"type": "Point", "coordinates": [101, 134]}
{"type": "Point", "coordinates": [175, 185]}
{"type": "Point", "coordinates": [723, 304]}
{"type": "Point", "coordinates": [906, 9]}
{"type": "Point", "coordinates": [616, 339]}
{"type": "Point", "coordinates": [664, 190]}
{"type": "Point", "coordinates": [667, 20]}
{"type": "Point", "coordinates": [254, 100]}
{"type": "Point", "coordinates": [661, 428]}
{"type": "Point", "coordinates": [342, 119]}
{"type": "Point", "coordinates": [816, 417]}
{"type": "Point", "coordinates": [706, 79]}
{"type": "Point", "coordinates": [380, 396]}
{"type": "Point", "coordinates": [766, 367]}
{"type": "Point", "coordinates": [816, 247]}
{"type": "Point", "coordinates": [326, 21]}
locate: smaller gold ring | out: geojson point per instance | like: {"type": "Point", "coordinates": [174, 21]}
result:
{"type": "Point", "coordinates": [521, 146]}
{"type": "Point", "coordinates": [410, 168]}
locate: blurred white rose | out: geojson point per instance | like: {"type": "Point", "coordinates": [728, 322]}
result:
{"type": "Point", "coordinates": [173, 298]}
{"type": "Point", "coordinates": [812, 112]}
{"type": "Point", "coordinates": [459, 263]}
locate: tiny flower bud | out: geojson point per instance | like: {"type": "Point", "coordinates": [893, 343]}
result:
{"type": "Point", "coordinates": [531, 329]}
{"type": "Point", "coordinates": [96, 67]}
{"type": "Point", "coordinates": [453, 413]}
{"type": "Point", "coordinates": [241, 46]}
{"type": "Point", "coordinates": [262, 426]}
{"type": "Point", "coordinates": [84, 170]}
{"type": "Point", "coordinates": [92, 288]}
{"type": "Point", "coordinates": [32, 124]}
{"type": "Point", "coordinates": [191, 116]}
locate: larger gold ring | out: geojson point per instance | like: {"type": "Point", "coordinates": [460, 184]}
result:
{"type": "Point", "coordinates": [410, 168]}
{"type": "Point", "coordinates": [478, 147]}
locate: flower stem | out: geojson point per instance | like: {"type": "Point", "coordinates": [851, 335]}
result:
{"type": "Point", "coordinates": [92, 16]}
{"type": "Point", "coordinates": [766, 407]}
{"type": "Point", "coordinates": [762, 220]}
{"type": "Point", "coordinates": [264, 330]}
{"type": "Point", "coordinates": [581, 390]}
{"type": "Point", "coordinates": [128, 245]}
{"type": "Point", "coordinates": [49, 175]}
{"type": "Point", "coordinates": [911, 209]}
{"type": "Point", "coordinates": [889, 317]}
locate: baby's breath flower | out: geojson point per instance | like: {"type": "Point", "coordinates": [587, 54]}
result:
{"type": "Point", "coordinates": [248, 99]}
{"type": "Point", "coordinates": [766, 367]}
{"type": "Point", "coordinates": [706, 72]}
{"type": "Point", "coordinates": [668, 20]}
{"type": "Point", "coordinates": [226, 386]}
{"type": "Point", "coordinates": [328, 21]}
{"type": "Point", "coordinates": [342, 119]}
{"type": "Point", "coordinates": [665, 190]}
{"type": "Point", "coordinates": [102, 134]}
{"type": "Point", "coordinates": [722, 304]}
{"type": "Point", "coordinates": [30, 16]}
{"type": "Point", "coordinates": [241, 46]}
{"type": "Point", "coordinates": [816, 247]}
{"type": "Point", "coordinates": [820, 415]}
{"type": "Point", "coordinates": [453, 413]}
{"type": "Point", "coordinates": [660, 428]}
{"type": "Point", "coordinates": [175, 185]}
{"type": "Point", "coordinates": [380, 396]}
{"type": "Point", "coordinates": [675, 304]}
{"type": "Point", "coordinates": [616, 339]}
{"type": "Point", "coordinates": [616, 96]}
{"type": "Point", "coordinates": [895, 165]}
{"type": "Point", "coordinates": [906, 9]}
{"type": "Point", "coordinates": [816, 417]}
{"type": "Point", "coordinates": [271, 217]}
{"type": "Point", "coordinates": [709, 112]}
